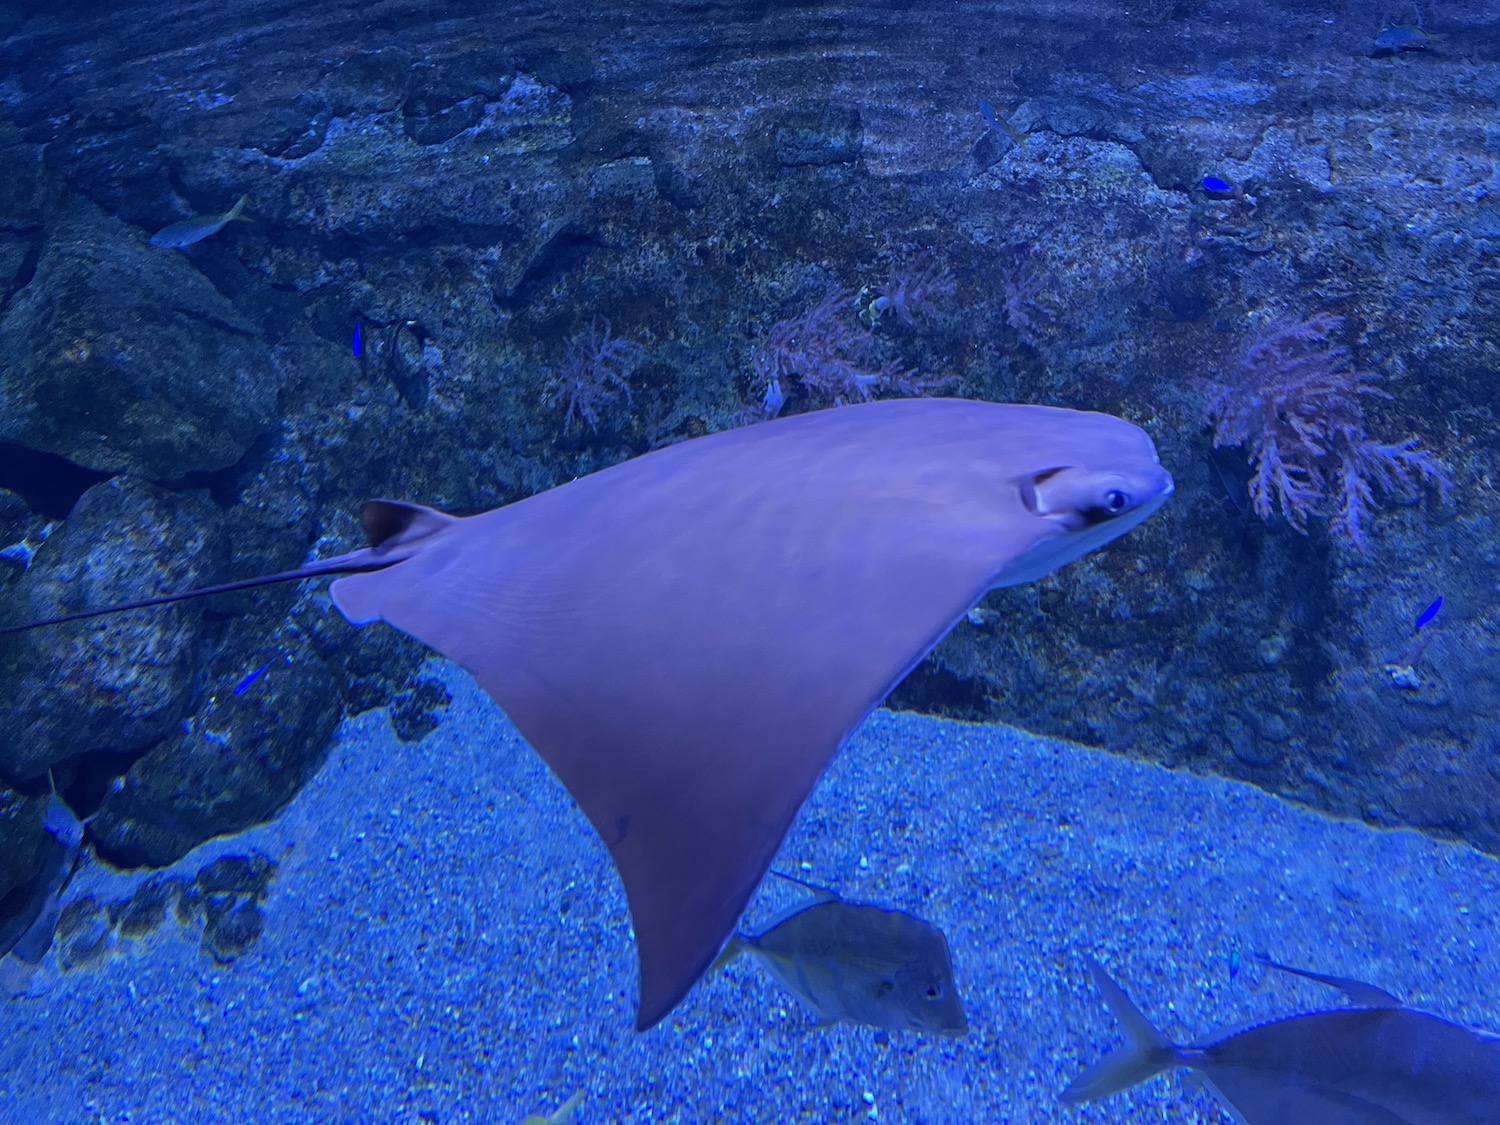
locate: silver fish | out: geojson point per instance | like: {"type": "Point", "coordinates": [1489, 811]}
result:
{"type": "Point", "coordinates": [27, 935]}
{"type": "Point", "coordinates": [564, 1114]}
{"type": "Point", "coordinates": [1398, 39]}
{"type": "Point", "coordinates": [196, 229]}
{"type": "Point", "coordinates": [857, 963]}
{"type": "Point", "coordinates": [1383, 1064]}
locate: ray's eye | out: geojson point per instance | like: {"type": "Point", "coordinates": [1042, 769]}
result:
{"type": "Point", "coordinates": [1116, 501]}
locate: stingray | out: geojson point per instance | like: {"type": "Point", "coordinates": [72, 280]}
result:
{"type": "Point", "coordinates": [688, 637]}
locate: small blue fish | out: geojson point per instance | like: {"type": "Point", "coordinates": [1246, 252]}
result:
{"type": "Point", "coordinates": [357, 347]}
{"type": "Point", "coordinates": [1429, 613]}
{"type": "Point", "coordinates": [1215, 186]}
{"type": "Point", "coordinates": [239, 688]}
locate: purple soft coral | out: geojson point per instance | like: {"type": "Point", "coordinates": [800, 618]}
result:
{"type": "Point", "coordinates": [834, 357]}
{"type": "Point", "coordinates": [915, 293]}
{"type": "Point", "coordinates": [1294, 405]}
{"type": "Point", "coordinates": [594, 370]}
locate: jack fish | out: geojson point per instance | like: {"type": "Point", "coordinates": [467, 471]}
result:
{"type": "Point", "coordinates": [1382, 1064]}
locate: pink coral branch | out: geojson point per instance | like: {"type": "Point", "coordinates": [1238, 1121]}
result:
{"type": "Point", "coordinates": [1294, 405]}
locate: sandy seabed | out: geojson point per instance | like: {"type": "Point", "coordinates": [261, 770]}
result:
{"type": "Point", "coordinates": [446, 942]}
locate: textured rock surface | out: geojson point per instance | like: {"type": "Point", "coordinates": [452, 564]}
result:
{"type": "Point", "coordinates": [240, 759]}
{"type": "Point", "coordinates": [23, 843]}
{"type": "Point", "coordinates": [472, 198]}
{"type": "Point", "coordinates": [120, 686]}
{"type": "Point", "coordinates": [125, 358]}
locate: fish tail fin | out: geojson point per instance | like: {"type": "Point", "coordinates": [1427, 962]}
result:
{"type": "Point", "coordinates": [732, 949]}
{"type": "Point", "coordinates": [1149, 1053]}
{"type": "Point", "coordinates": [238, 211]}
{"type": "Point", "coordinates": [567, 1111]}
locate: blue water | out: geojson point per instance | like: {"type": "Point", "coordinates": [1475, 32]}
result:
{"type": "Point", "coordinates": [488, 249]}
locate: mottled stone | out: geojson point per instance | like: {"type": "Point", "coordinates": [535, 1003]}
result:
{"type": "Point", "coordinates": [23, 182]}
{"type": "Point", "coordinates": [236, 874]}
{"type": "Point", "coordinates": [241, 759]}
{"type": "Point", "coordinates": [293, 132]}
{"type": "Point", "coordinates": [414, 713]}
{"type": "Point", "coordinates": [440, 106]}
{"type": "Point", "coordinates": [23, 846]}
{"type": "Point", "coordinates": [82, 934]}
{"type": "Point", "coordinates": [233, 934]}
{"type": "Point", "coordinates": [189, 905]}
{"type": "Point", "coordinates": [827, 135]}
{"type": "Point", "coordinates": [118, 683]}
{"type": "Point", "coordinates": [125, 359]}
{"type": "Point", "coordinates": [369, 82]}
{"type": "Point", "coordinates": [145, 910]}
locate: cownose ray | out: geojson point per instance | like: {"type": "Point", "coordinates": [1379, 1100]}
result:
{"type": "Point", "coordinates": [688, 637]}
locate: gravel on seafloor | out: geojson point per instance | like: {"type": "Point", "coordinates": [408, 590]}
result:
{"type": "Point", "coordinates": [445, 941]}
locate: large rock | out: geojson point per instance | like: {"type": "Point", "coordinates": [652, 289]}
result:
{"type": "Point", "coordinates": [246, 754]}
{"type": "Point", "coordinates": [23, 842]}
{"type": "Point", "coordinates": [119, 683]}
{"type": "Point", "coordinates": [122, 357]}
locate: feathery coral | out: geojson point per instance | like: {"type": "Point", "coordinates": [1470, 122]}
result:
{"type": "Point", "coordinates": [1294, 405]}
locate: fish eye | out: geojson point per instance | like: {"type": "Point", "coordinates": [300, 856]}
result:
{"type": "Point", "coordinates": [1116, 501]}
{"type": "Point", "coordinates": [935, 992]}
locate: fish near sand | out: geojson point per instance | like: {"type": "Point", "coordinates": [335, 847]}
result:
{"type": "Point", "coordinates": [27, 935]}
{"type": "Point", "coordinates": [688, 637]}
{"type": "Point", "coordinates": [196, 229]}
{"type": "Point", "coordinates": [564, 1115]}
{"type": "Point", "coordinates": [1375, 1064]}
{"type": "Point", "coordinates": [1358, 993]}
{"type": "Point", "coordinates": [858, 963]}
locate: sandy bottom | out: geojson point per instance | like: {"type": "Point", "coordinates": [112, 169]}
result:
{"type": "Point", "coordinates": [445, 942]}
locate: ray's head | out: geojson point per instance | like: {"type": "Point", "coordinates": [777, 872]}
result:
{"type": "Point", "coordinates": [1093, 480]}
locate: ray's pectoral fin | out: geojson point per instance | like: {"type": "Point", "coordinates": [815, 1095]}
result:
{"type": "Point", "coordinates": [397, 532]}
{"type": "Point", "coordinates": [690, 856]}
{"type": "Point", "coordinates": [691, 809]}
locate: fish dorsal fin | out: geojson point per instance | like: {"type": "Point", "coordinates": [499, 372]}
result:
{"type": "Point", "coordinates": [1358, 993]}
{"type": "Point", "coordinates": [737, 944]}
{"type": "Point", "coordinates": [791, 912]}
{"type": "Point", "coordinates": [819, 891]}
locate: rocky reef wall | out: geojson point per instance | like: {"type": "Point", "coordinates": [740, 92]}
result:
{"type": "Point", "coordinates": [446, 204]}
